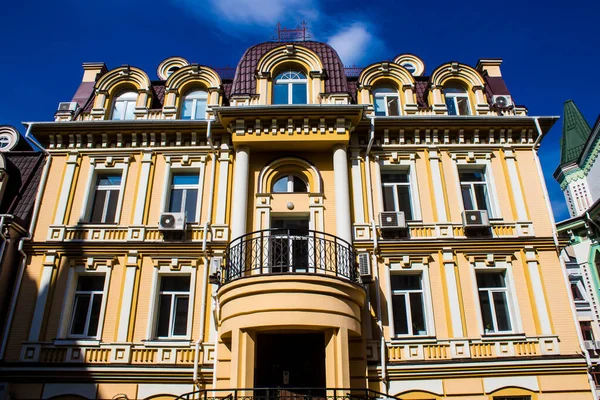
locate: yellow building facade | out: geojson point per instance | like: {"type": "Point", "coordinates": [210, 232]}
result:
{"type": "Point", "coordinates": [293, 231]}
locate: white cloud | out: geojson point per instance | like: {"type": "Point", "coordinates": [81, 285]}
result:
{"type": "Point", "coordinates": [354, 42]}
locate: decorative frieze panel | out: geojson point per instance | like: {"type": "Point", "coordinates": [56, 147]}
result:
{"type": "Point", "coordinates": [93, 233]}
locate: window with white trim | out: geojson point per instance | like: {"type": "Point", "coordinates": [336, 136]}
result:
{"type": "Point", "coordinates": [474, 189]}
{"type": "Point", "coordinates": [408, 304]}
{"type": "Point", "coordinates": [290, 87]}
{"type": "Point", "coordinates": [194, 105]}
{"type": "Point", "coordinates": [578, 291]}
{"type": "Point", "coordinates": [457, 100]}
{"type": "Point", "coordinates": [494, 300]}
{"type": "Point", "coordinates": [184, 194]}
{"type": "Point", "coordinates": [106, 197]}
{"type": "Point", "coordinates": [387, 101]}
{"type": "Point", "coordinates": [290, 183]}
{"type": "Point", "coordinates": [124, 106]}
{"type": "Point", "coordinates": [586, 330]}
{"type": "Point", "coordinates": [87, 305]}
{"type": "Point", "coordinates": [173, 306]}
{"type": "Point", "coordinates": [397, 192]}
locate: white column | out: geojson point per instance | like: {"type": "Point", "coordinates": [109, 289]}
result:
{"type": "Point", "coordinates": [357, 189]}
{"type": "Point", "coordinates": [223, 183]}
{"type": "Point", "coordinates": [239, 204]}
{"type": "Point", "coordinates": [65, 190]}
{"type": "Point", "coordinates": [125, 314]}
{"type": "Point", "coordinates": [140, 203]}
{"type": "Point", "coordinates": [452, 287]}
{"type": "Point", "coordinates": [438, 190]}
{"type": "Point", "coordinates": [538, 290]}
{"type": "Point", "coordinates": [342, 193]}
{"type": "Point", "coordinates": [42, 296]}
{"type": "Point", "coordinates": [519, 201]}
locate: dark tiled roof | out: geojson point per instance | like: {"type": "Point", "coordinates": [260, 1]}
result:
{"type": "Point", "coordinates": [353, 89]}
{"type": "Point", "coordinates": [244, 81]}
{"type": "Point", "coordinates": [24, 171]}
{"type": "Point", "coordinates": [158, 95]}
{"type": "Point", "coordinates": [83, 93]}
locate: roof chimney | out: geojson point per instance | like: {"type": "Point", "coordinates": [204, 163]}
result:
{"type": "Point", "coordinates": [92, 71]}
{"type": "Point", "coordinates": [489, 66]}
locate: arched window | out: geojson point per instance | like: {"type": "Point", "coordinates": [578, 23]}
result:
{"type": "Point", "coordinates": [124, 106]}
{"type": "Point", "coordinates": [387, 102]}
{"type": "Point", "coordinates": [290, 184]}
{"type": "Point", "coordinates": [457, 100]}
{"type": "Point", "coordinates": [194, 105]}
{"type": "Point", "coordinates": [290, 87]}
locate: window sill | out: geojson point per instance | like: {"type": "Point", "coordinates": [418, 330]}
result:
{"type": "Point", "coordinates": [77, 342]}
{"type": "Point", "coordinates": [494, 337]}
{"type": "Point", "coordinates": [167, 343]}
{"type": "Point", "coordinates": [413, 339]}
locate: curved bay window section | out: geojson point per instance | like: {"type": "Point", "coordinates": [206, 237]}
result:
{"type": "Point", "coordinates": [457, 100]}
{"type": "Point", "coordinates": [194, 105]}
{"type": "Point", "coordinates": [289, 251]}
{"type": "Point", "coordinates": [124, 106]}
{"type": "Point", "coordinates": [386, 101]}
{"type": "Point", "coordinates": [290, 87]}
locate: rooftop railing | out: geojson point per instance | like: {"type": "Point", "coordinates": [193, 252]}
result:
{"type": "Point", "coordinates": [289, 251]}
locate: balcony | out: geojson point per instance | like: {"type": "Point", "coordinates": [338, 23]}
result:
{"type": "Point", "coordinates": [289, 251]}
{"type": "Point", "coordinates": [285, 393]}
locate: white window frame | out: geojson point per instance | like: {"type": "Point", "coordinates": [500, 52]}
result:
{"type": "Point", "coordinates": [66, 318]}
{"type": "Point", "coordinates": [454, 96]}
{"type": "Point", "coordinates": [415, 268]}
{"type": "Point", "coordinates": [290, 183]}
{"type": "Point", "coordinates": [290, 83]}
{"type": "Point", "coordinates": [403, 165]}
{"type": "Point", "coordinates": [195, 95]}
{"type": "Point", "coordinates": [486, 166]}
{"type": "Point", "coordinates": [175, 167]}
{"type": "Point", "coordinates": [129, 102]}
{"type": "Point", "coordinates": [578, 281]}
{"type": "Point", "coordinates": [167, 270]}
{"type": "Point", "coordinates": [97, 168]}
{"type": "Point", "coordinates": [385, 96]}
{"type": "Point", "coordinates": [511, 296]}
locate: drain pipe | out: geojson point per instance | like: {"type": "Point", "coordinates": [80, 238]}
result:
{"type": "Point", "coordinates": [562, 262]}
{"type": "Point", "coordinates": [32, 225]}
{"type": "Point", "coordinates": [371, 212]}
{"type": "Point", "coordinates": [206, 263]}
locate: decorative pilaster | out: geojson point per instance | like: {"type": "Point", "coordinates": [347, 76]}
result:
{"type": "Point", "coordinates": [342, 193]}
{"type": "Point", "coordinates": [48, 268]}
{"type": "Point", "coordinates": [438, 189]}
{"type": "Point", "coordinates": [450, 272]}
{"type": "Point", "coordinates": [240, 192]}
{"type": "Point", "coordinates": [65, 190]}
{"type": "Point", "coordinates": [140, 204]}
{"type": "Point", "coordinates": [131, 268]}
{"type": "Point", "coordinates": [533, 267]}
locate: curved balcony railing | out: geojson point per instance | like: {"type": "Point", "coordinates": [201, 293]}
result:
{"type": "Point", "coordinates": [286, 251]}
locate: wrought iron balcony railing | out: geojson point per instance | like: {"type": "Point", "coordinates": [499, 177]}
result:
{"type": "Point", "coordinates": [285, 393]}
{"type": "Point", "coordinates": [286, 251]}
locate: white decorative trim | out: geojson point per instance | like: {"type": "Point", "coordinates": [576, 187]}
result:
{"type": "Point", "coordinates": [403, 163]}
{"type": "Point", "coordinates": [519, 200]}
{"type": "Point", "coordinates": [472, 159]}
{"type": "Point", "coordinates": [538, 290]}
{"type": "Point", "coordinates": [146, 390]}
{"type": "Point", "coordinates": [223, 184]}
{"type": "Point", "coordinates": [342, 193]}
{"type": "Point", "coordinates": [357, 188]}
{"type": "Point", "coordinates": [449, 263]}
{"type": "Point", "coordinates": [144, 182]}
{"type": "Point", "coordinates": [184, 164]}
{"type": "Point", "coordinates": [239, 207]}
{"type": "Point", "coordinates": [427, 385]}
{"type": "Point", "coordinates": [65, 191]}
{"type": "Point", "coordinates": [131, 267]}
{"type": "Point", "coordinates": [50, 260]}
{"type": "Point", "coordinates": [438, 189]}
{"type": "Point", "coordinates": [526, 382]}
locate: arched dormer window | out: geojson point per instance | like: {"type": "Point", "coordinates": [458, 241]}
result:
{"type": "Point", "coordinates": [194, 105]}
{"type": "Point", "coordinates": [387, 101]}
{"type": "Point", "coordinates": [290, 184]}
{"type": "Point", "coordinates": [457, 100]}
{"type": "Point", "coordinates": [124, 106]}
{"type": "Point", "coordinates": [290, 87]}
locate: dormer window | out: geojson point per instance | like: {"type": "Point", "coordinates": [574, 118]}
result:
{"type": "Point", "coordinates": [457, 100]}
{"type": "Point", "coordinates": [290, 184]}
{"type": "Point", "coordinates": [387, 102]}
{"type": "Point", "coordinates": [194, 105]}
{"type": "Point", "coordinates": [290, 87]}
{"type": "Point", "coordinates": [124, 106]}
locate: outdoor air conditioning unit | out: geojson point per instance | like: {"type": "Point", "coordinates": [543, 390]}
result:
{"type": "Point", "coordinates": [68, 106]}
{"type": "Point", "coordinates": [172, 221]}
{"type": "Point", "coordinates": [392, 220]}
{"type": "Point", "coordinates": [215, 270]}
{"type": "Point", "coordinates": [502, 101]}
{"type": "Point", "coordinates": [475, 219]}
{"type": "Point", "coordinates": [364, 267]}
{"type": "Point", "coordinates": [589, 344]}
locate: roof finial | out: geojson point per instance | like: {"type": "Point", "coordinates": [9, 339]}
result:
{"type": "Point", "coordinates": [300, 33]}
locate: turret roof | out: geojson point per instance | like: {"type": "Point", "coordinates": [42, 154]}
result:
{"type": "Point", "coordinates": [576, 132]}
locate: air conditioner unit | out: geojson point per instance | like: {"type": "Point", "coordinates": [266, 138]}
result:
{"type": "Point", "coordinates": [589, 344]}
{"type": "Point", "coordinates": [215, 270]}
{"type": "Point", "coordinates": [502, 101]}
{"type": "Point", "coordinates": [475, 219]}
{"type": "Point", "coordinates": [364, 267]}
{"type": "Point", "coordinates": [68, 106]}
{"type": "Point", "coordinates": [172, 221]}
{"type": "Point", "coordinates": [392, 220]}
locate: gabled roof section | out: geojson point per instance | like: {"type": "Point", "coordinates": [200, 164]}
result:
{"type": "Point", "coordinates": [576, 132]}
{"type": "Point", "coordinates": [24, 170]}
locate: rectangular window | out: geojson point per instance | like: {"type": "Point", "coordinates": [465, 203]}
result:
{"type": "Point", "coordinates": [408, 304]}
{"type": "Point", "coordinates": [397, 192]}
{"type": "Point", "coordinates": [577, 291]}
{"type": "Point", "coordinates": [586, 330]}
{"type": "Point", "coordinates": [173, 306]}
{"type": "Point", "coordinates": [493, 300]}
{"type": "Point", "coordinates": [184, 194]}
{"type": "Point", "coordinates": [474, 189]}
{"type": "Point", "coordinates": [281, 94]}
{"type": "Point", "coordinates": [106, 198]}
{"type": "Point", "coordinates": [86, 305]}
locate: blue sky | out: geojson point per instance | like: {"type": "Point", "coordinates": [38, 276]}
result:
{"type": "Point", "coordinates": [550, 48]}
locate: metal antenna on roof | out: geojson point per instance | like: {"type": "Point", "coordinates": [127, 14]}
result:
{"type": "Point", "coordinates": [300, 33]}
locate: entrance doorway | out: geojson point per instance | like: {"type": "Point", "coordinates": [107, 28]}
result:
{"type": "Point", "coordinates": [294, 363]}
